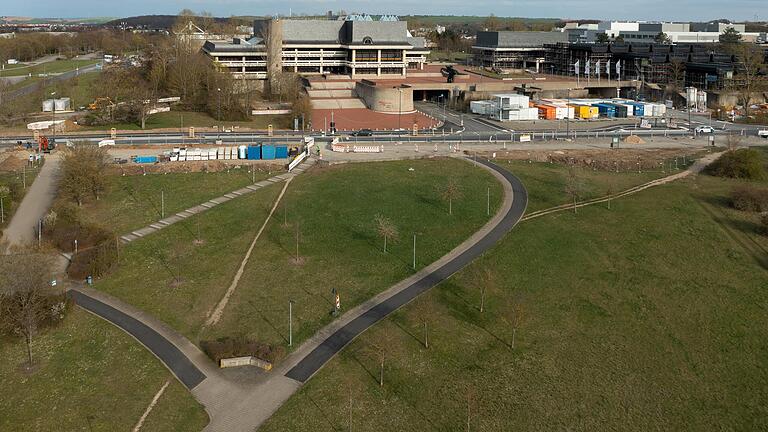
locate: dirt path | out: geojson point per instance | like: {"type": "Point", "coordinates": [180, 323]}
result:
{"type": "Point", "coordinates": [23, 227]}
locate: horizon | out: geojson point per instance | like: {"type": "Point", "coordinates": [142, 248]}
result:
{"type": "Point", "coordinates": [686, 10]}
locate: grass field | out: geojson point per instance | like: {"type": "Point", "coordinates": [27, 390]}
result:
{"type": "Point", "coordinates": [648, 316]}
{"type": "Point", "coordinates": [185, 119]}
{"type": "Point", "coordinates": [149, 266]}
{"type": "Point", "coordinates": [90, 371]}
{"type": "Point", "coordinates": [335, 209]}
{"type": "Point", "coordinates": [57, 66]}
{"type": "Point", "coordinates": [9, 178]}
{"type": "Point", "coordinates": [136, 201]}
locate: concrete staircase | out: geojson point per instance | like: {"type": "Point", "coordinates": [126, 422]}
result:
{"type": "Point", "coordinates": [334, 95]}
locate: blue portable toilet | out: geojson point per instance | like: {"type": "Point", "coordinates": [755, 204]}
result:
{"type": "Point", "coordinates": [281, 152]}
{"type": "Point", "coordinates": [267, 151]}
{"type": "Point", "coordinates": [254, 152]}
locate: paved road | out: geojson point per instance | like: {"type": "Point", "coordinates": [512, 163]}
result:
{"type": "Point", "coordinates": [174, 359]}
{"type": "Point", "coordinates": [310, 364]}
{"type": "Point", "coordinates": [34, 206]}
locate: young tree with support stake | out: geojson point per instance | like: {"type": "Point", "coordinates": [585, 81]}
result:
{"type": "Point", "coordinates": [574, 186]}
{"type": "Point", "coordinates": [450, 193]}
{"type": "Point", "coordinates": [386, 230]}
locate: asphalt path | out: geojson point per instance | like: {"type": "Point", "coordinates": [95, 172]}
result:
{"type": "Point", "coordinates": [315, 360]}
{"type": "Point", "coordinates": [171, 356]}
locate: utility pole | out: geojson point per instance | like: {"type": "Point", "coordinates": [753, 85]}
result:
{"type": "Point", "coordinates": [2, 211]}
{"type": "Point", "coordinates": [488, 206]}
{"type": "Point", "coordinates": [218, 137]}
{"type": "Point", "coordinates": [290, 322]}
{"type": "Point", "coordinates": [400, 113]}
{"type": "Point", "coordinates": [53, 123]}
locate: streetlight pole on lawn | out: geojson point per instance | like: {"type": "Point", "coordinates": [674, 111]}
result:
{"type": "Point", "coordinates": [218, 135]}
{"type": "Point", "coordinates": [414, 251]}
{"type": "Point", "coordinates": [53, 123]}
{"type": "Point", "coordinates": [400, 113]}
{"type": "Point", "coordinates": [290, 322]}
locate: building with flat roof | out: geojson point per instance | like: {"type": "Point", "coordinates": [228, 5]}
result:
{"type": "Point", "coordinates": [352, 46]}
{"type": "Point", "coordinates": [512, 50]}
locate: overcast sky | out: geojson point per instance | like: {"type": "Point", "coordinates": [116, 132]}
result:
{"type": "Point", "coordinates": [682, 10]}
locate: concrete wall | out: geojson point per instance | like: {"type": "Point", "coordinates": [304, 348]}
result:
{"type": "Point", "coordinates": [384, 97]}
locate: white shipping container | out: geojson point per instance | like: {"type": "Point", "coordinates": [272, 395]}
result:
{"type": "Point", "coordinates": [242, 152]}
{"type": "Point", "coordinates": [212, 154]}
{"type": "Point", "coordinates": [233, 153]}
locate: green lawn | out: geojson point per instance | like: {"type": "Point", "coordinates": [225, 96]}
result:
{"type": "Point", "coordinates": [185, 119]}
{"type": "Point", "coordinates": [148, 266]}
{"type": "Point", "coordinates": [136, 201]}
{"type": "Point", "coordinates": [648, 316]}
{"type": "Point", "coordinates": [57, 66]}
{"type": "Point", "coordinates": [335, 209]}
{"type": "Point", "coordinates": [88, 368]}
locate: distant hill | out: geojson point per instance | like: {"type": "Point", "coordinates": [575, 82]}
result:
{"type": "Point", "coordinates": [161, 21]}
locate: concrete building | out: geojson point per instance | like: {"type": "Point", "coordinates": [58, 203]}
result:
{"type": "Point", "coordinates": [509, 50]}
{"type": "Point", "coordinates": [352, 46]}
{"type": "Point", "coordinates": [648, 31]}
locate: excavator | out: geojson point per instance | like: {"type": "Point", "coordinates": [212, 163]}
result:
{"type": "Point", "coordinates": [99, 103]}
{"type": "Point", "coordinates": [44, 145]}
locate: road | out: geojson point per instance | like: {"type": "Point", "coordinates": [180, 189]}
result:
{"type": "Point", "coordinates": [23, 227]}
{"type": "Point", "coordinates": [32, 87]}
{"type": "Point", "coordinates": [458, 259]}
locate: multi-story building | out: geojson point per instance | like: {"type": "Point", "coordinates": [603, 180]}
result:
{"type": "Point", "coordinates": [634, 31]}
{"type": "Point", "coordinates": [357, 46]}
{"type": "Point", "coordinates": [511, 50]}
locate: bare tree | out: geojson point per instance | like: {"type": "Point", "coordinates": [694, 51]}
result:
{"type": "Point", "coordinates": [450, 192]}
{"type": "Point", "coordinates": [424, 311]}
{"type": "Point", "coordinates": [486, 280]}
{"type": "Point", "coordinates": [751, 61]}
{"type": "Point", "coordinates": [574, 186]}
{"type": "Point", "coordinates": [83, 172]}
{"type": "Point", "coordinates": [24, 305]}
{"type": "Point", "coordinates": [514, 315]}
{"type": "Point", "coordinates": [386, 230]}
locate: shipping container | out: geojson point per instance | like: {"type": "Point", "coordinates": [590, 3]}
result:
{"type": "Point", "coordinates": [267, 151]}
{"type": "Point", "coordinates": [639, 109]}
{"type": "Point", "coordinates": [605, 110]}
{"type": "Point", "coordinates": [145, 159]}
{"type": "Point", "coordinates": [619, 110]}
{"type": "Point", "coordinates": [254, 152]}
{"type": "Point", "coordinates": [233, 154]}
{"type": "Point", "coordinates": [281, 152]}
{"type": "Point", "coordinates": [546, 112]}
{"type": "Point", "coordinates": [242, 152]}
{"type": "Point", "coordinates": [212, 154]}
{"type": "Point", "coordinates": [220, 153]}
{"type": "Point", "coordinates": [586, 112]}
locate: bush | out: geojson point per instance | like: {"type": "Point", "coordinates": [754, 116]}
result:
{"type": "Point", "coordinates": [742, 163]}
{"type": "Point", "coordinates": [748, 198]}
{"type": "Point", "coordinates": [227, 347]}
{"type": "Point", "coordinates": [764, 225]}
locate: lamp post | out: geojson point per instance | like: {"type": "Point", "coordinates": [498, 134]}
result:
{"type": "Point", "coordinates": [218, 135]}
{"type": "Point", "coordinates": [400, 113]}
{"type": "Point", "coordinates": [568, 115]}
{"type": "Point", "coordinates": [290, 322]}
{"type": "Point", "coordinates": [53, 123]}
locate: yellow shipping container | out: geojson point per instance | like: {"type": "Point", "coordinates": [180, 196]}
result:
{"type": "Point", "coordinates": [585, 112]}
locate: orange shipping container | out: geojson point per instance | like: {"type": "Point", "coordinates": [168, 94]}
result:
{"type": "Point", "coordinates": [547, 112]}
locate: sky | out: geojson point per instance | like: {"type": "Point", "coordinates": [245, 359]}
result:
{"type": "Point", "coordinates": [669, 10]}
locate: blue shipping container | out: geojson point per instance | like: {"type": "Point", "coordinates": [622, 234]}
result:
{"type": "Point", "coordinates": [146, 159]}
{"type": "Point", "coordinates": [254, 152]}
{"type": "Point", "coordinates": [267, 151]}
{"type": "Point", "coordinates": [639, 109]}
{"type": "Point", "coordinates": [281, 152]}
{"type": "Point", "coordinates": [605, 110]}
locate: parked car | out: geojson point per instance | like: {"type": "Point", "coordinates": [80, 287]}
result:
{"type": "Point", "coordinates": [363, 132]}
{"type": "Point", "coordinates": [704, 129]}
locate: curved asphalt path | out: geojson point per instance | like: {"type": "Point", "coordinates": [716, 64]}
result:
{"type": "Point", "coordinates": [315, 360]}
{"type": "Point", "coordinates": [174, 359]}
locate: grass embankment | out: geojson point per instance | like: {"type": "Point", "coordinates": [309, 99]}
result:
{"type": "Point", "coordinates": [185, 119]}
{"type": "Point", "coordinates": [170, 275]}
{"type": "Point", "coordinates": [135, 201]}
{"type": "Point", "coordinates": [90, 372]}
{"type": "Point", "coordinates": [52, 67]}
{"type": "Point", "coordinates": [334, 210]}
{"type": "Point", "coordinates": [646, 316]}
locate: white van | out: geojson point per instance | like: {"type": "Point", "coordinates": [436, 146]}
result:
{"type": "Point", "coordinates": [763, 133]}
{"type": "Point", "coordinates": [106, 142]}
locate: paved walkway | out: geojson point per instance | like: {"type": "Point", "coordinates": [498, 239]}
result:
{"type": "Point", "coordinates": [170, 220]}
{"type": "Point", "coordinates": [23, 227]}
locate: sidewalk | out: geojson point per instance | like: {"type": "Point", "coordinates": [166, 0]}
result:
{"type": "Point", "coordinates": [21, 231]}
{"type": "Point", "coordinates": [170, 220]}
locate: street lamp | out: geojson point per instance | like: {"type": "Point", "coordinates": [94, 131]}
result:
{"type": "Point", "coordinates": [218, 135]}
{"type": "Point", "coordinates": [400, 113]}
{"type": "Point", "coordinates": [53, 123]}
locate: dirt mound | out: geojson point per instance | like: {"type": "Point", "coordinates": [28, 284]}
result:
{"type": "Point", "coordinates": [13, 161]}
{"type": "Point", "coordinates": [633, 139]}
